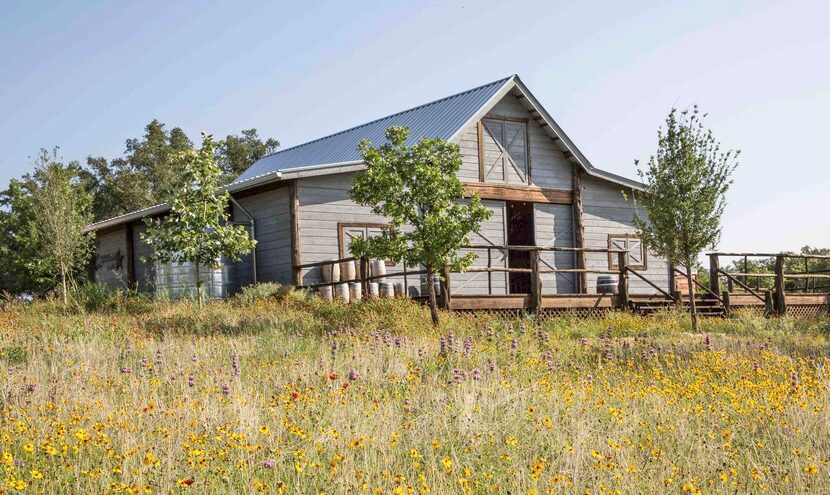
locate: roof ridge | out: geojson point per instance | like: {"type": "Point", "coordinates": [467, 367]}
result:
{"type": "Point", "coordinates": [417, 107]}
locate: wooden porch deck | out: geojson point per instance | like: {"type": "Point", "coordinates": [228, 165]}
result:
{"type": "Point", "coordinates": [711, 300]}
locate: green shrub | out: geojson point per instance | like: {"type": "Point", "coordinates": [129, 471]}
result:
{"type": "Point", "coordinates": [265, 291]}
{"type": "Point", "coordinates": [91, 297]}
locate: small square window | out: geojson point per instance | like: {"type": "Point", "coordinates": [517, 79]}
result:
{"type": "Point", "coordinates": [637, 253]}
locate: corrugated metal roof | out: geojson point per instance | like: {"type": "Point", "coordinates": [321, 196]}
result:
{"type": "Point", "coordinates": [438, 119]}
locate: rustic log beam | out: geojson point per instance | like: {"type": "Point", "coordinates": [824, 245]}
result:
{"type": "Point", "coordinates": [622, 283]}
{"type": "Point", "coordinates": [446, 295]}
{"type": "Point", "coordinates": [579, 228]}
{"type": "Point", "coordinates": [535, 282]}
{"type": "Point", "coordinates": [714, 274]}
{"type": "Point", "coordinates": [780, 295]}
{"type": "Point", "coordinates": [296, 257]}
{"type": "Point", "coordinates": [519, 193]}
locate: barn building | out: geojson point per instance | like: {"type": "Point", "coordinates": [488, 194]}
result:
{"type": "Point", "coordinates": [541, 189]}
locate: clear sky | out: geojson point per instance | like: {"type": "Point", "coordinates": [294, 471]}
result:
{"type": "Point", "coordinates": [87, 75]}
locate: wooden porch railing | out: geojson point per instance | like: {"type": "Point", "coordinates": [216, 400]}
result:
{"type": "Point", "coordinates": [536, 270]}
{"type": "Point", "coordinates": [775, 299]}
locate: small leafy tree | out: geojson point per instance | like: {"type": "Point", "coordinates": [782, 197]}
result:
{"type": "Point", "coordinates": [51, 206]}
{"type": "Point", "coordinates": [197, 230]}
{"type": "Point", "coordinates": [686, 184]}
{"type": "Point", "coordinates": [416, 187]}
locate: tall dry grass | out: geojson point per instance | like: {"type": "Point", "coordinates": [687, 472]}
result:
{"type": "Point", "coordinates": [304, 397]}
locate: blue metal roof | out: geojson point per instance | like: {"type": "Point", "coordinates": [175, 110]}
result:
{"type": "Point", "coordinates": [439, 119]}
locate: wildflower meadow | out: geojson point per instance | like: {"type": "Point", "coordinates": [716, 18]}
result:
{"type": "Point", "coordinates": [311, 398]}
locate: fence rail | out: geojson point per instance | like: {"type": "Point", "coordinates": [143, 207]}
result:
{"type": "Point", "coordinates": [364, 274]}
{"type": "Point", "coordinates": [774, 298]}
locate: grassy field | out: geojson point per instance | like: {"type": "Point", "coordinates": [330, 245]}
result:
{"type": "Point", "coordinates": [301, 397]}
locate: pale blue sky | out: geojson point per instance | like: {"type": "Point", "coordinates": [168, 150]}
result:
{"type": "Point", "coordinates": [87, 75]}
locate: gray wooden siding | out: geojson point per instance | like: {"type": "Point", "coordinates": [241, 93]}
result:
{"type": "Point", "coordinates": [272, 226]}
{"type": "Point", "coordinates": [111, 259]}
{"type": "Point", "coordinates": [145, 273]}
{"type": "Point", "coordinates": [554, 228]}
{"type": "Point", "coordinates": [606, 211]}
{"type": "Point", "coordinates": [324, 203]}
{"type": "Point", "coordinates": [549, 166]}
{"type": "Point", "coordinates": [492, 233]}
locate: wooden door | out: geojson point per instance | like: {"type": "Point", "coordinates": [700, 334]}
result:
{"type": "Point", "coordinates": [505, 151]}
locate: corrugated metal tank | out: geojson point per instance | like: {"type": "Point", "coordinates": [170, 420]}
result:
{"type": "Point", "coordinates": [177, 280]}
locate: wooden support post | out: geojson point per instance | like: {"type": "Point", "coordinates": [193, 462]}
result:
{"type": "Point", "coordinates": [730, 285]}
{"type": "Point", "coordinates": [714, 274]}
{"type": "Point", "coordinates": [780, 294]}
{"type": "Point", "coordinates": [769, 305]}
{"type": "Point", "coordinates": [622, 287]}
{"type": "Point", "coordinates": [535, 282]}
{"type": "Point", "coordinates": [131, 281]}
{"type": "Point", "coordinates": [446, 296]}
{"type": "Point", "coordinates": [296, 258]}
{"type": "Point", "coordinates": [364, 276]}
{"type": "Point", "coordinates": [678, 298]}
{"type": "Point", "coordinates": [672, 281]}
{"type": "Point", "coordinates": [727, 304]}
{"type": "Point", "coordinates": [579, 228]}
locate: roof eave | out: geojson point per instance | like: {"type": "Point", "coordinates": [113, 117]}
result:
{"type": "Point", "coordinates": [125, 218]}
{"type": "Point", "coordinates": [570, 146]}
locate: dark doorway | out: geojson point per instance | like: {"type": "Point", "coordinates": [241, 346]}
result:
{"type": "Point", "coordinates": [519, 233]}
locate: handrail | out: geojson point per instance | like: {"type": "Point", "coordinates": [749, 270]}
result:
{"type": "Point", "coordinates": [703, 287]}
{"type": "Point", "coordinates": [324, 263]}
{"type": "Point", "coordinates": [649, 282]}
{"type": "Point", "coordinates": [544, 248]}
{"type": "Point", "coordinates": [743, 285]}
{"type": "Point", "coordinates": [772, 255]}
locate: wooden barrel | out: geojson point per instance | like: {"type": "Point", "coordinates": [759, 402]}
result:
{"type": "Point", "coordinates": [387, 290]}
{"type": "Point", "coordinates": [378, 269]}
{"type": "Point", "coordinates": [331, 272]}
{"type": "Point", "coordinates": [347, 270]}
{"type": "Point", "coordinates": [607, 284]}
{"type": "Point", "coordinates": [325, 293]}
{"type": "Point", "coordinates": [400, 290]}
{"type": "Point", "coordinates": [341, 292]}
{"type": "Point", "coordinates": [356, 291]}
{"type": "Point", "coordinates": [373, 290]}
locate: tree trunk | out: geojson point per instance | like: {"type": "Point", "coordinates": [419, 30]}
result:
{"type": "Point", "coordinates": [433, 304]}
{"type": "Point", "coordinates": [692, 306]}
{"type": "Point", "coordinates": [198, 285]}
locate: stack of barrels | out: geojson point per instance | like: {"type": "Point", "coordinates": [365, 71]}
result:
{"type": "Point", "coordinates": [351, 289]}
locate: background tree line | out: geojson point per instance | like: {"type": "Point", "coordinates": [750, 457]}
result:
{"type": "Point", "coordinates": [43, 212]}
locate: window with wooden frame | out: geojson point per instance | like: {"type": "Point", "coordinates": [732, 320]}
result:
{"type": "Point", "coordinates": [637, 253]}
{"type": "Point", "coordinates": [503, 150]}
{"type": "Point", "coordinates": [346, 231]}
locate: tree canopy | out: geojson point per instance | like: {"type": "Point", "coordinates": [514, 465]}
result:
{"type": "Point", "coordinates": [197, 229]}
{"type": "Point", "coordinates": [418, 189]}
{"type": "Point", "coordinates": [147, 174]}
{"type": "Point", "coordinates": [149, 171]}
{"type": "Point", "coordinates": [686, 184]}
{"type": "Point", "coordinates": [43, 243]}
